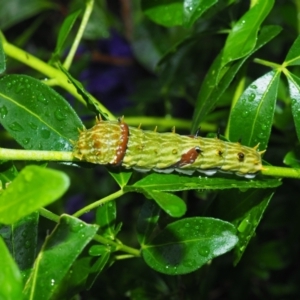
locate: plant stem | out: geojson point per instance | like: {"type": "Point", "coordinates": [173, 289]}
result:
{"type": "Point", "coordinates": [48, 214]}
{"type": "Point", "coordinates": [267, 63]}
{"type": "Point", "coordinates": [84, 21]}
{"type": "Point", "coordinates": [99, 202]}
{"type": "Point", "coordinates": [119, 247]}
{"type": "Point", "coordinates": [281, 172]}
{"type": "Point", "coordinates": [17, 154]}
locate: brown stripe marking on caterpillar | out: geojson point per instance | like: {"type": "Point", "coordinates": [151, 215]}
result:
{"type": "Point", "coordinates": [115, 143]}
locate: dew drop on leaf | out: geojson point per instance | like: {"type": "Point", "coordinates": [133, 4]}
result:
{"type": "Point", "coordinates": [59, 115]}
{"type": "Point", "coordinates": [204, 251]}
{"type": "Point", "coordinates": [245, 113]}
{"type": "Point", "coordinates": [3, 111]}
{"type": "Point", "coordinates": [19, 88]}
{"type": "Point", "coordinates": [251, 97]}
{"type": "Point", "coordinates": [253, 86]}
{"type": "Point", "coordinates": [32, 125]}
{"type": "Point", "coordinates": [26, 141]}
{"type": "Point", "coordinates": [15, 126]}
{"type": "Point", "coordinates": [45, 133]}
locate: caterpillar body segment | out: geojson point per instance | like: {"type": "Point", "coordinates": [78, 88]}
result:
{"type": "Point", "coordinates": [115, 143]}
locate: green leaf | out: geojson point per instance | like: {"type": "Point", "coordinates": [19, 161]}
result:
{"type": "Point", "coordinates": [170, 203]}
{"type": "Point", "coordinates": [243, 36]}
{"type": "Point", "coordinates": [12, 13]}
{"type": "Point", "coordinates": [177, 182]}
{"type": "Point", "coordinates": [21, 240]}
{"type": "Point", "coordinates": [35, 115]}
{"type": "Point", "coordinates": [293, 56]}
{"type": "Point", "coordinates": [186, 245]}
{"type": "Point", "coordinates": [2, 58]}
{"type": "Point", "coordinates": [64, 32]}
{"type": "Point", "coordinates": [252, 117]}
{"type": "Point", "coordinates": [294, 88]}
{"type": "Point", "coordinates": [10, 277]}
{"type": "Point", "coordinates": [147, 221]}
{"type": "Point", "coordinates": [106, 218]}
{"type": "Point", "coordinates": [33, 188]}
{"type": "Point", "coordinates": [57, 255]}
{"type": "Point", "coordinates": [164, 12]}
{"type": "Point", "coordinates": [193, 9]}
{"type": "Point", "coordinates": [121, 176]}
{"type": "Point", "coordinates": [8, 173]}
{"type": "Point", "coordinates": [246, 211]}
{"type": "Point", "coordinates": [292, 158]}
{"type": "Point", "coordinates": [214, 85]}
{"type": "Point", "coordinates": [97, 268]}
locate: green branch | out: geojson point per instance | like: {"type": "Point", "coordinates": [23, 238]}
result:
{"type": "Point", "coordinates": [84, 21]}
{"type": "Point", "coordinates": [99, 202]}
{"type": "Point", "coordinates": [281, 172]}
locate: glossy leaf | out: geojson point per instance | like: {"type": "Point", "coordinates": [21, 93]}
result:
{"type": "Point", "coordinates": [121, 176]}
{"type": "Point", "coordinates": [252, 117]}
{"type": "Point", "coordinates": [35, 115]}
{"type": "Point", "coordinates": [175, 182]}
{"type": "Point", "coordinates": [193, 9]}
{"type": "Point", "coordinates": [33, 188]}
{"type": "Point", "coordinates": [164, 12]}
{"type": "Point", "coordinates": [243, 36]}
{"type": "Point", "coordinates": [147, 221]}
{"type": "Point", "coordinates": [106, 218]}
{"type": "Point", "coordinates": [57, 255]}
{"type": "Point", "coordinates": [294, 89]}
{"type": "Point", "coordinates": [170, 203]}
{"type": "Point", "coordinates": [186, 245]}
{"type": "Point", "coordinates": [246, 211]}
{"type": "Point", "coordinates": [251, 219]}
{"type": "Point", "coordinates": [292, 158]}
{"type": "Point", "coordinates": [64, 31]}
{"type": "Point", "coordinates": [214, 85]}
{"type": "Point", "coordinates": [10, 277]}
{"type": "Point", "coordinates": [21, 240]}
{"type": "Point", "coordinates": [8, 173]}
{"type": "Point", "coordinates": [293, 56]}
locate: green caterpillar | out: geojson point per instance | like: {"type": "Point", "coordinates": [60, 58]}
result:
{"type": "Point", "coordinates": [115, 143]}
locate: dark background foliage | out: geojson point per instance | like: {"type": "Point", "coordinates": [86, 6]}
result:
{"type": "Point", "coordinates": [141, 64]}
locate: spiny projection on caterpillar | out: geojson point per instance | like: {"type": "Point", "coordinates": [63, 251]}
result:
{"type": "Point", "coordinates": [115, 143]}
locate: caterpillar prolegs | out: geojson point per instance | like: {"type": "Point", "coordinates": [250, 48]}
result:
{"type": "Point", "coordinates": [115, 143]}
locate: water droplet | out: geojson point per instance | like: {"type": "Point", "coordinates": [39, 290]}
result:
{"type": "Point", "coordinates": [264, 127]}
{"type": "Point", "coordinates": [8, 86]}
{"type": "Point", "coordinates": [245, 113]}
{"type": "Point", "coordinates": [253, 86]}
{"type": "Point", "coordinates": [27, 244]}
{"type": "Point", "coordinates": [45, 133]}
{"type": "Point", "coordinates": [33, 126]}
{"type": "Point", "coordinates": [52, 282]}
{"type": "Point", "coordinates": [167, 266]}
{"type": "Point", "coordinates": [188, 262]}
{"type": "Point", "coordinates": [15, 126]}
{"type": "Point", "coordinates": [261, 135]}
{"type": "Point", "coordinates": [251, 97]}
{"type": "Point", "coordinates": [42, 99]}
{"type": "Point", "coordinates": [60, 115]}
{"type": "Point", "coordinates": [187, 225]}
{"type": "Point", "coordinates": [76, 227]}
{"type": "Point", "coordinates": [26, 141]}
{"type": "Point", "coordinates": [203, 251]}
{"type": "Point", "coordinates": [3, 111]}
{"type": "Point", "coordinates": [19, 88]}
